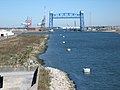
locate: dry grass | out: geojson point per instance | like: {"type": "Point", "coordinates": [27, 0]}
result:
{"type": "Point", "coordinates": [44, 80]}
{"type": "Point", "coordinates": [17, 50]}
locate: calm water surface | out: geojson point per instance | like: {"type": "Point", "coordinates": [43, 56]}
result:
{"type": "Point", "coordinates": [99, 51]}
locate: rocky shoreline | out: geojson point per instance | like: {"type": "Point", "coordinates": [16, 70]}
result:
{"type": "Point", "coordinates": [59, 80]}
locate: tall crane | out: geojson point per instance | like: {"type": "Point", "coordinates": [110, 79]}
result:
{"type": "Point", "coordinates": [28, 22]}
{"type": "Point", "coordinates": [42, 24]}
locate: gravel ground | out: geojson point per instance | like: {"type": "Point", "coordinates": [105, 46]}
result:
{"type": "Point", "coordinates": [60, 80]}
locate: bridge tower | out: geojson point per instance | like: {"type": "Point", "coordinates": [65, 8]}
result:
{"type": "Point", "coordinates": [81, 20]}
{"type": "Point", "coordinates": [51, 19]}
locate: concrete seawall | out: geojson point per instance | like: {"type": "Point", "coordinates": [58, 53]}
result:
{"type": "Point", "coordinates": [19, 78]}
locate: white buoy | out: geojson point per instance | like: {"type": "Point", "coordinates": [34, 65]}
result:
{"type": "Point", "coordinates": [63, 36]}
{"type": "Point", "coordinates": [63, 42]}
{"type": "Point", "coordinates": [86, 70]}
{"type": "Point", "coordinates": [68, 49]}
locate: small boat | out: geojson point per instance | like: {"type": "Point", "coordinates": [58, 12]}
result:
{"type": "Point", "coordinates": [86, 70]}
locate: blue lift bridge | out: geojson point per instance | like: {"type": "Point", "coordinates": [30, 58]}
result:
{"type": "Point", "coordinates": [79, 16]}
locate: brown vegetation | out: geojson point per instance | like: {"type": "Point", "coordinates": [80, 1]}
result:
{"type": "Point", "coordinates": [44, 80]}
{"type": "Point", "coordinates": [19, 50]}
{"type": "Point", "coordinates": [16, 50]}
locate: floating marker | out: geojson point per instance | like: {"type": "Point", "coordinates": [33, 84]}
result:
{"type": "Point", "coordinates": [63, 42]}
{"type": "Point", "coordinates": [86, 70]}
{"type": "Point", "coordinates": [60, 34]}
{"type": "Point", "coordinates": [68, 49]}
{"type": "Point", "coordinates": [63, 36]}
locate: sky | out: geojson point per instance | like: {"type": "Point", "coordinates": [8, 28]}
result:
{"type": "Point", "coordinates": [96, 12]}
